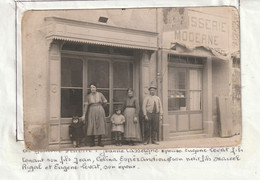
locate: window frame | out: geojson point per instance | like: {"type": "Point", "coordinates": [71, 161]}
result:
{"type": "Point", "coordinates": [188, 67]}
{"type": "Point", "coordinates": [110, 58]}
{"type": "Point", "coordinates": [68, 119]}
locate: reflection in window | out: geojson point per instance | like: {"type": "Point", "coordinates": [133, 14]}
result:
{"type": "Point", "coordinates": [119, 96]}
{"type": "Point", "coordinates": [123, 74]}
{"type": "Point", "coordinates": [98, 72]}
{"type": "Point", "coordinates": [71, 102]}
{"type": "Point", "coordinates": [71, 72]}
{"type": "Point", "coordinates": [177, 89]}
{"type": "Point", "coordinates": [176, 100]}
{"type": "Point", "coordinates": [71, 87]}
{"type": "Point", "coordinates": [184, 89]}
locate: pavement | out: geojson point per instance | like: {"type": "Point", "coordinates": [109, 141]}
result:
{"type": "Point", "coordinates": [183, 143]}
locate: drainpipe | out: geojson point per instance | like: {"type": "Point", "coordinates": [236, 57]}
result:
{"type": "Point", "coordinates": [158, 70]}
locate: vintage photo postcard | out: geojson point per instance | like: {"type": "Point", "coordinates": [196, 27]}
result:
{"type": "Point", "coordinates": [131, 78]}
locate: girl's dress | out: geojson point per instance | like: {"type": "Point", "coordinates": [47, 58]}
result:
{"type": "Point", "coordinates": [118, 123]}
{"type": "Point", "coordinates": [76, 131]}
{"type": "Point", "coordinates": [95, 117]}
{"type": "Point", "coordinates": [132, 129]}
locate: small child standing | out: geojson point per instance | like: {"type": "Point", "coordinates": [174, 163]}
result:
{"type": "Point", "coordinates": [117, 126]}
{"type": "Point", "coordinates": [76, 131]}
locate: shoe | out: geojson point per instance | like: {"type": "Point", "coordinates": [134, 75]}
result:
{"type": "Point", "coordinates": [92, 144]}
{"type": "Point", "coordinates": [99, 141]}
{"type": "Point", "coordinates": [156, 143]}
{"type": "Point", "coordinates": [100, 144]}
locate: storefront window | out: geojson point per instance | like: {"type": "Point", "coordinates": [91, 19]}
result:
{"type": "Point", "coordinates": [71, 87]}
{"type": "Point", "coordinates": [177, 89]}
{"type": "Point", "coordinates": [99, 71]}
{"type": "Point", "coordinates": [195, 89]}
{"type": "Point", "coordinates": [184, 85]}
{"type": "Point", "coordinates": [122, 80]}
{"type": "Point", "coordinates": [123, 74]}
{"type": "Point", "coordinates": [71, 102]}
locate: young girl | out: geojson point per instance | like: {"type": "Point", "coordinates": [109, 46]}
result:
{"type": "Point", "coordinates": [117, 126]}
{"type": "Point", "coordinates": [76, 131]}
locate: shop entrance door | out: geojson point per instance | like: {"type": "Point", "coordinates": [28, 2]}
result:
{"type": "Point", "coordinates": [185, 95]}
{"type": "Point", "coordinates": [113, 76]}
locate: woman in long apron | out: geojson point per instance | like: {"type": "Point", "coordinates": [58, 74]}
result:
{"type": "Point", "coordinates": [131, 112]}
{"type": "Point", "coordinates": [94, 115]}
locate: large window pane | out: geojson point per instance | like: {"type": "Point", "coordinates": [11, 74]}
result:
{"type": "Point", "coordinates": [105, 93]}
{"type": "Point", "coordinates": [123, 75]}
{"type": "Point", "coordinates": [176, 100]}
{"type": "Point", "coordinates": [119, 96]}
{"type": "Point", "coordinates": [106, 108]}
{"type": "Point", "coordinates": [184, 85]}
{"type": "Point", "coordinates": [98, 72]}
{"type": "Point", "coordinates": [195, 79]}
{"type": "Point", "coordinates": [71, 102]}
{"type": "Point", "coordinates": [177, 78]}
{"type": "Point", "coordinates": [117, 105]}
{"type": "Point", "coordinates": [195, 100]}
{"type": "Point", "coordinates": [71, 72]}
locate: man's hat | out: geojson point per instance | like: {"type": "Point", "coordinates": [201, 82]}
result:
{"type": "Point", "coordinates": [152, 87]}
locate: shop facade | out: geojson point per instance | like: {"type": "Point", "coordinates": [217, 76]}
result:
{"type": "Point", "coordinates": [119, 50]}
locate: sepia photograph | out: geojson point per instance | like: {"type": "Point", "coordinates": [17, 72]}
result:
{"type": "Point", "coordinates": [142, 78]}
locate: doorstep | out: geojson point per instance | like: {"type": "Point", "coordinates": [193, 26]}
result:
{"type": "Point", "coordinates": [177, 143]}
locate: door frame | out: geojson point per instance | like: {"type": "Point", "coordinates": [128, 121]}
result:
{"type": "Point", "coordinates": [189, 112]}
{"type": "Point", "coordinates": [85, 56]}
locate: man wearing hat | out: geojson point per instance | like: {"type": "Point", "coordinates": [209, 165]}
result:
{"type": "Point", "coordinates": [152, 109]}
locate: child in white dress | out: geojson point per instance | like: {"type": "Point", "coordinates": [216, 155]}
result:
{"type": "Point", "coordinates": [118, 121]}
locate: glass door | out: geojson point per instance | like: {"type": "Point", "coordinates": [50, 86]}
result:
{"type": "Point", "coordinates": [185, 98]}
{"type": "Point", "coordinates": [113, 77]}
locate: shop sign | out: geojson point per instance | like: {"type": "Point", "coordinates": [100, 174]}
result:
{"type": "Point", "coordinates": [197, 29]}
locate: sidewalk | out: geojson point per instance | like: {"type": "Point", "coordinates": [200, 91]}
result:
{"type": "Point", "coordinates": [189, 143]}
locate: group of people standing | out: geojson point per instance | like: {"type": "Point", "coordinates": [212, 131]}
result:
{"type": "Point", "coordinates": [125, 120]}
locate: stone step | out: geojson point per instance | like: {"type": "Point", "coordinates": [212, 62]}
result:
{"type": "Point", "coordinates": [187, 136]}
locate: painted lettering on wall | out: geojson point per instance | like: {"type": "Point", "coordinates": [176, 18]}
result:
{"type": "Point", "coordinates": [196, 37]}
{"type": "Point", "coordinates": [207, 24]}
{"type": "Point", "coordinates": [203, 30]}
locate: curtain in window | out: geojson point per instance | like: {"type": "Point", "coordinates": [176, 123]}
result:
{"type": "Point", "coordinates": [195, 89]}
